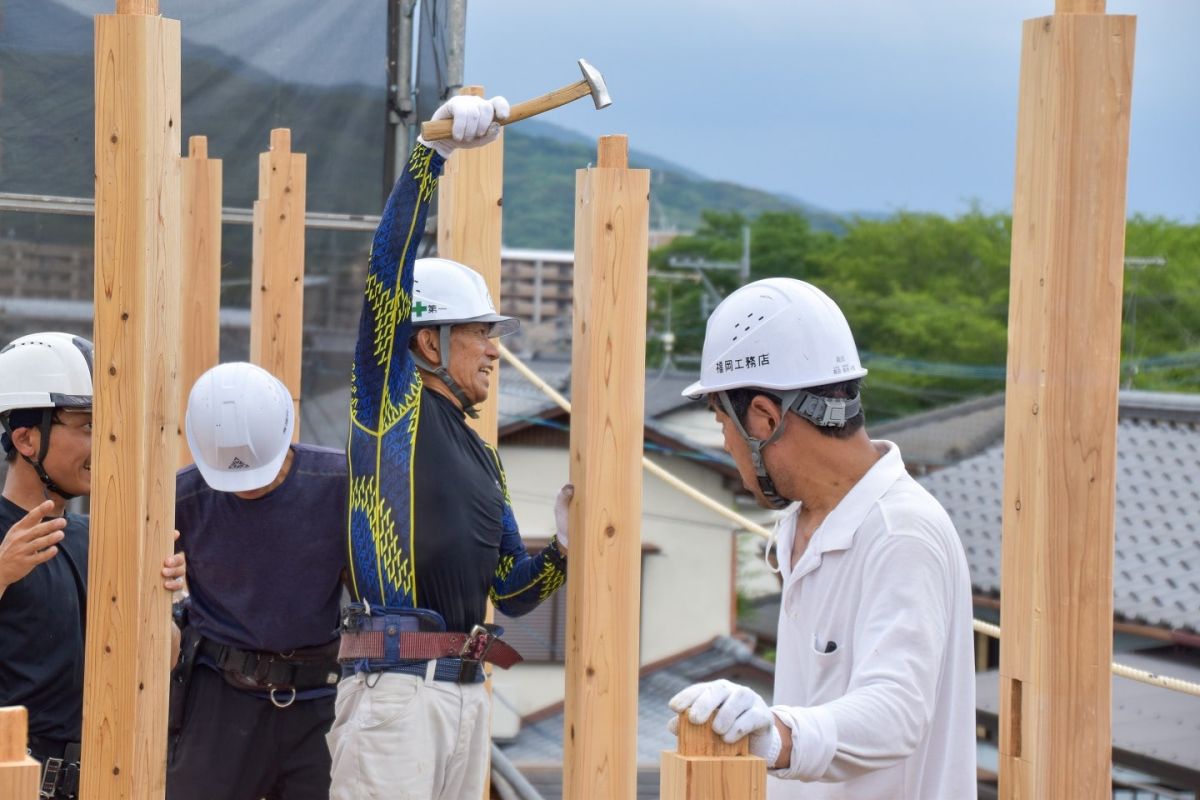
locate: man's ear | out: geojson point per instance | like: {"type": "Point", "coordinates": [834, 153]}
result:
{"type": "Point", "coordinates": [428, 345]}
{"type": "Point", "coordinates": [762, 417]}
{"type": "Point", "coordinates": [27, 441]}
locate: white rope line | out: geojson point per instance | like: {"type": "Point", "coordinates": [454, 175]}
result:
{"type": "Point", "coordinates": [1124, 671]}
{"type": "Point", "coordinates": [986, 628]}
{"type": "Point", "coordinates": [650, 466]}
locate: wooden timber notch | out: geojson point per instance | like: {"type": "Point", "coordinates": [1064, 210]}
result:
{"type": "Point", "coordinates": [277, 266]}
{"type": "Point", "coordinates": [19, 774]}
{"type": "Point", "coordinates": [468, 231]}
{"type": "Point", "coordinates": [470, 201]}
{"type": "Point", "coordinates": [604, 567]}
{"type": "Point", "coordinates": [706, 767]}
{"type": "Point", "coordinates": [200, 278]}
{"type": "Point", "coordinates": [137, 247]}
{"type": "Point", "coordinates": [1060, 432]}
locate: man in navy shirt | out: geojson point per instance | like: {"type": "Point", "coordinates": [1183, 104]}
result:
{"type": "Point", "coordinates": [46, 412]}
{"type": "Point", "coordinates": [262, 521]}
{"type": "Point", "coordinates": [431, 530]}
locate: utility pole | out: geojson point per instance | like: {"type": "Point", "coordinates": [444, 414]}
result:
{"type": "Point", "coordinates": [710, 297]}
{"type": "Point", "coordinates": [667, 337]}
{"type": "Point", "coordinates": [401, 116]}
{"type": "Point", "coordinates": [440, 46]}
{"type": "Point", "coordinates": [1136, 264]}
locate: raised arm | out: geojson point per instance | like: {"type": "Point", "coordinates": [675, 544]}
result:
{"type": "Point", "coordinates": [383, 369]}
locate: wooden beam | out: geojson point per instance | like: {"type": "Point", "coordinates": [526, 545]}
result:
{"type": "Point", "coordinates": [1061, 405]}
{"type": "Point", "coordinates": [19, 774]}
{"type": "Point", "coordinates": [470, 200]}
{"type": "Point", "coordinates": [1078, 6]}
{"type": "Point", "coordinates": [608, 372]}
{"type": "Point", "coordinates": [137, 7]}
{"type": "Point", "coordinates": [277, 265]}
{"type": "Point", "coordinates": [706, 767]}
{"type": "Point", "coordinates": [200, 283]}
{"type": "Point", "coordinates": [136, 389]}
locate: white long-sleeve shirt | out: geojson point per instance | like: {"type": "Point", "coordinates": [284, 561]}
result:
{"type": "Point", "coordinates": [874, 668]}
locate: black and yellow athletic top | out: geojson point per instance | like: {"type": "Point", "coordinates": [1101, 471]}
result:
{"type": "Point", "coordinates": [431, 524]}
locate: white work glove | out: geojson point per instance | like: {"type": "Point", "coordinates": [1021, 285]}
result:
{"type": "Point", "coordinates": [562, 505]}
{"type": "Point", "coordinates": [474, 122]}
{"type": "Point", "coordinates": [741, 712]}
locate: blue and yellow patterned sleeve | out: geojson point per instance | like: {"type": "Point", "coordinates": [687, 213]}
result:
{"type": "Point", "coordinates": [523, 581]}
{"type": "Point", "coordinates": [385, 390]}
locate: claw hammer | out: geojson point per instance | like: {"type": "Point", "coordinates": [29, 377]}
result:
{"type": "Point", "coordinates": [592, 83]}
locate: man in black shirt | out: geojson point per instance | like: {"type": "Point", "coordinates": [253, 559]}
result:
{"type": "Point", "coordinates": [431, 534]}
{"type": "Point", "coordinates": [46, 412]}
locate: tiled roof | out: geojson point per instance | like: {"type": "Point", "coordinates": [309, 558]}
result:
{"type": "Point", "coordinates": [1156, 571]}
{"type": "Point", "coordinates": [1149, 723]}
{"type": "Point", "coordinates": [944, 435]}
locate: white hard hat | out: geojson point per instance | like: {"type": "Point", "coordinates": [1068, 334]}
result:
{"type": "Point", "coordinates": [239, 426]}
{"type": "Point", "coordinates": [777, 333]}
{"type": "Point", "coordinates": [46, 370]}
{"type": "Point", "coordinates": [448, 293]}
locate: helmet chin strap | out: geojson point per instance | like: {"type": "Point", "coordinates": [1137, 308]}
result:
{"type": "Point", "coordinates": [443, 372]}
{"type": "Point", "coordinates": [47, 481]}
{"type": "Point", "coordinates": [765, 484]}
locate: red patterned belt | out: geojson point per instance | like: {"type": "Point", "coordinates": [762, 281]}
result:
{"type": "Point", "coordinates": [479, 645]}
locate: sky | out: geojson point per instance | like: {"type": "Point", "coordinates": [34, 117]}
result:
{"type": "Point", "coordinates": [854, 105]}
{"type": "Point", "coordinates": [851, 105]}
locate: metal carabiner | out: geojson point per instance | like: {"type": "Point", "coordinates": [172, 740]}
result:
{"type": "Point", "coordinates": [277, 704]}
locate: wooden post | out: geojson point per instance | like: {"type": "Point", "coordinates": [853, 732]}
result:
{"type": "Point", "coordinates": [200, 283]}
{"type": "Point", "coordinates": [469, 215]}
{"type": "Point", "coordinates": [707, 768]}
{"type": "Point", "coordinates": [19, 774]}
{"type": "Point", "coordinates": [277, 265]}
{"type": "Point", "coordinates": [608, 366]}
{"type": "Point", "coordinates": [470, 198]}
{"type": "Point", "coordinates": [1061, 410]}
{"type": "Point", "coordinates": [136, 389]}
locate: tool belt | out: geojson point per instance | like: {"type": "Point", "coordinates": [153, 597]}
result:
{"type": "Point", "coordinates": [60, 770]}
{"type": "Point", "coordinates": [390, 639]}
{"type": "Point", "coordinates": [277, 673]}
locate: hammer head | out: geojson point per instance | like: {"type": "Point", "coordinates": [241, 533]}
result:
{"type": "Point", "coordinates": [595, 81]}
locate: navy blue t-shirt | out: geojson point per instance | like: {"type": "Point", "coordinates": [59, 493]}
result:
{"type": "Point", "coordinates": [266, 574]}
{"type": "Point", "coordinates": [41, 633]}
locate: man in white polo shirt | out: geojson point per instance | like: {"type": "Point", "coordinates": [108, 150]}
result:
{"type": "Point", "coordinates": [874, 683]}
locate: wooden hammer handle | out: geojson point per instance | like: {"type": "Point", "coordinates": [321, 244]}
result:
{"type": "Point", "coordinates": [440, 129]}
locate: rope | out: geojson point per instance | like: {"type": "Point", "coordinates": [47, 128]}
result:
{"type": "Point", "coordinates": [1124, 671]}
{"type": "Point", "coordinates": [647, 464]}
{"type": "Point", "coordinates": [986, 628]}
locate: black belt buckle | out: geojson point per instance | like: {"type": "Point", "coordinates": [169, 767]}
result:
{"type": "Point", "coordinates": [474, 651]}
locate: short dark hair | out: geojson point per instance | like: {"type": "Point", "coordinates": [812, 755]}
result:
{"type": "Point", "coordinates": [740, 400]}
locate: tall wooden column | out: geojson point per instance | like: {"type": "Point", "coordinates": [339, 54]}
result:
{"type": "Point", "coordinates": [470, 199]}
{"type": "Point", "coordinates": [1061, 407]}
{"type": "Point", "coordinates": [608, 368]}
{"type": "Point", "coordinates": [277, 265]}
{"type": "Point", "coordinates": [200, 282]}
{"type": "Point", "coordinates": [705, 767]}
{"type": "Point", "coordinates": [19, 773]}
{"type": "Point", "coordinates": [136, 389]}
